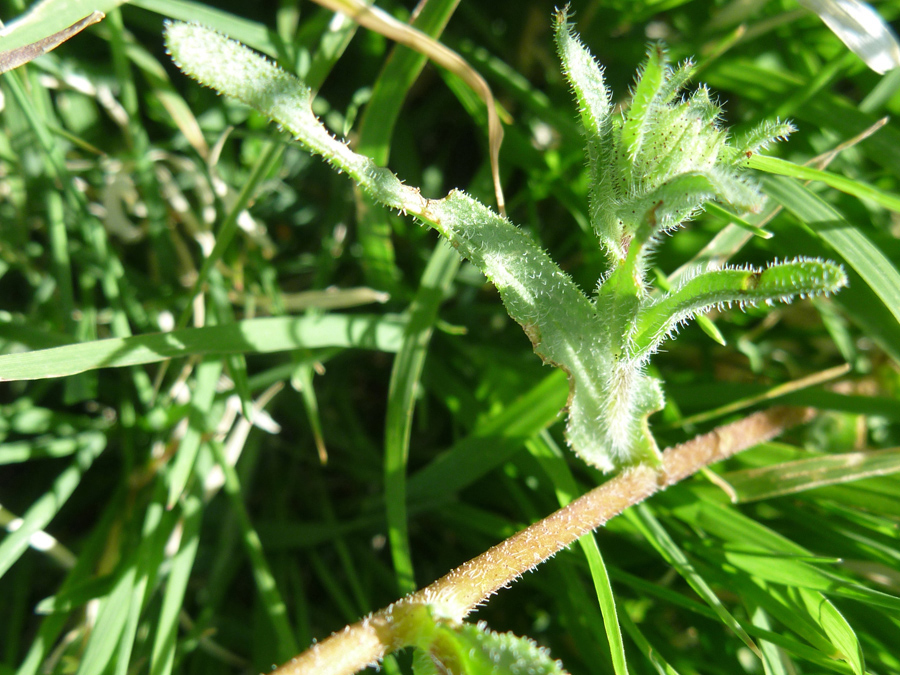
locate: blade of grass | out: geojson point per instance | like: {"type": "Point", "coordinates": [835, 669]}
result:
{"type": "Point", "coordinates": [139, 141]}
{"type": "Point", "coordinates": [85, 569]}
{"type": "Point", "coordinates": [850, 242]}
{"type": "Point", "coordinates": [642, 518]}
{"type": "Point", "coordinates": [164, 644]}
{"type": "Point", "coordinates": [375, 131]}
{"type": "Point", "coordinates": [256, 336]}
{"type": "Point", "coordinates": [405, 380]}
{"type": "Point", "coordinates": [807, 474]}
{"type": "Point", "coordinates": [780, 167]}
{"type": "Point", "coordinates": [769, 395]}
{"type": "Point", "coordinates": [267, 159]}
{"type": "Point", "coordinates": [45, 26]}
{"type": "Point", "coordinates": [199, 424]}
{"type": "Point", "coordinates": [836, 627]}
{"type": "Point", "coordinates": [40, 448]}
{"type": "Point", "coordinates": [552, 461]}
{"type": "Point", "coordinates": [116, 623]}
{"type": "Point", "coordinates": [158, 526]}
{"type": "Point", "coordinates": [492, 443]}
{"type": "Point", "coordinates": [91, 229]}
{"type": "Point", "coordinates": [652, 654]}
{"type": "Point", "coordinates": [251, 33]}
{"type": "Point", "coordinates": [45, 508]}
{"type": "Point", "coordinates": [270, 596]}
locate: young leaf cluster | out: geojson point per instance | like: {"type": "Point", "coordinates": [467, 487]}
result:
{"type": "Point", "coordinates": [651, 168]}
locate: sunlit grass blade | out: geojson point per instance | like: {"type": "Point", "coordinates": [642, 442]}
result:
{"type": "Point", "coordinates": [781, 167]}
{"type": "Point", "coordinates": [112, 636]}
{"type": "Point", "coordinates": [809, 474]}
{"type": "Point", "coordinates": [552, 461]}
{"type": "Point", "coordinates": [836, 627]}
{"type": "Point", "coordinates": [728, 217]}
{"type": "Point", "coordinates": [50, 22]}
{"type": "Point", "coordinates": [849, 241]}
{"type": "Point", "coordinates": [270, 596]}
{"type": "Point", "coordinates": [253, 336]}
{"type": "Point", "coordinates": [163, 655]}
{"type": "Point", "coordinates": [405, 379]}
{"type": "Point", "coordinates": [770, 394]}
{"type": "Point", "coordinates": [249, 32]}
{"type": "Point", "coordinates": [642, 518]}
{"type": "Point", "coordinates": [199, 424]}
{"type": "Point", "coordinates": [111, 621]}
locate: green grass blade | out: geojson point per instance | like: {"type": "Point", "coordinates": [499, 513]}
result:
{"type": "Point", "coordinates": [253, 336]}
{"type": "Point", "coordinates": [269, 156]}
{"type": "Point", "coordinates": [376, 130]}
{"type": "Point", "coordinates": [26, 451]}
{"type": "Point", "coordinates": [807, 474]}
{"type": "Point", "coordinates": [780, 167]}
{"type": "Point", "coordinates": [836, 627]}
{"type": "Point", "coordinates": [47, 17]}
{"type": "Point", "coordinates": [850, 242]}
{"type": "Point", "coordinates": [652, 654]}
{"type": "Point", "coordinates": [119, 611]}
{"type": "Point", "coordinates": [251, 33]}
{"type": "Point", "coordinates": [163, 655]}
{"type": "Point", "coordinates": [405, 376]}
{"type": "Point", "coordinates": [199, 424]}
{"type": "Point", "coordinates": [492, 442]}
{"type": "Point", "coordinates": [553, 463]}
{"type": "Point", "coordinates": [111, 621]}
{"type": "Point", "coordinates": [47, 506]}
{"type": "Point", "coordinates": [642, 518]}
{"type": "Point", "coordinates": [272, 601]}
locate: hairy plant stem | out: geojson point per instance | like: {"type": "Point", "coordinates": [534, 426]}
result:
{"type": "Point", "coordinates": [456, 594]}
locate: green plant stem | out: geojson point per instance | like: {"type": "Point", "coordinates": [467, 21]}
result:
{"type": "Point", "coordinates": [459, 592]}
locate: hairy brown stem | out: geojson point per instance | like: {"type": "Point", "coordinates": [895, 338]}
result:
{"type": "Point", "coordinates": [456, 594]}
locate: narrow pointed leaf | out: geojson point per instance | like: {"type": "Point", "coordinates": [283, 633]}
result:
{"type": "Point", "coordinates": [586, 78]}
{"type": "Point", "coordinates": [776, 283]}
{"type": "Point", "coordinates": [641, 113]}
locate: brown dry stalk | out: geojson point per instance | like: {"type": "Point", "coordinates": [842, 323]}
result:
{"type": "Point", "coordinates": [456, 594]}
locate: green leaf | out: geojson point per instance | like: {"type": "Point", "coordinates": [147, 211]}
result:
{"type": "Point", "coordinates": [553, 463]}
{"type": "Point", "coordinates": [405, 379]}
{"type": "Point", "coordinates": [251, 33]}
{"type": "Point", "coordinates": [659, 538]}
{"type": "Point", "coordinates": [163, 655]}
{"type": "Point", "coordinates": [642, 112]}
{"type": "Point", "coordinates": [808, 474]}
{"type": "Point", "coordinates": [779, 282]}
{"type": "Point", "coordinates": [594, 105]}
{"type": "Point", "coordinates": [253, 336]}
{"type": "Point", "coordinates": [780, 167]}
{"type": "Point", "coordinates": [469, 649]}
{"type": "Point", "coordinates": [14, 57]}
{"type": "Point", "coordinates": [611, 397]}
{"type": "Point", "coordinates": [47, 506]}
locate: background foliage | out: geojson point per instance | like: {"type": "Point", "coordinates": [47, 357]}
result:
{"type": "Point", "coordinates": [120, 178]}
